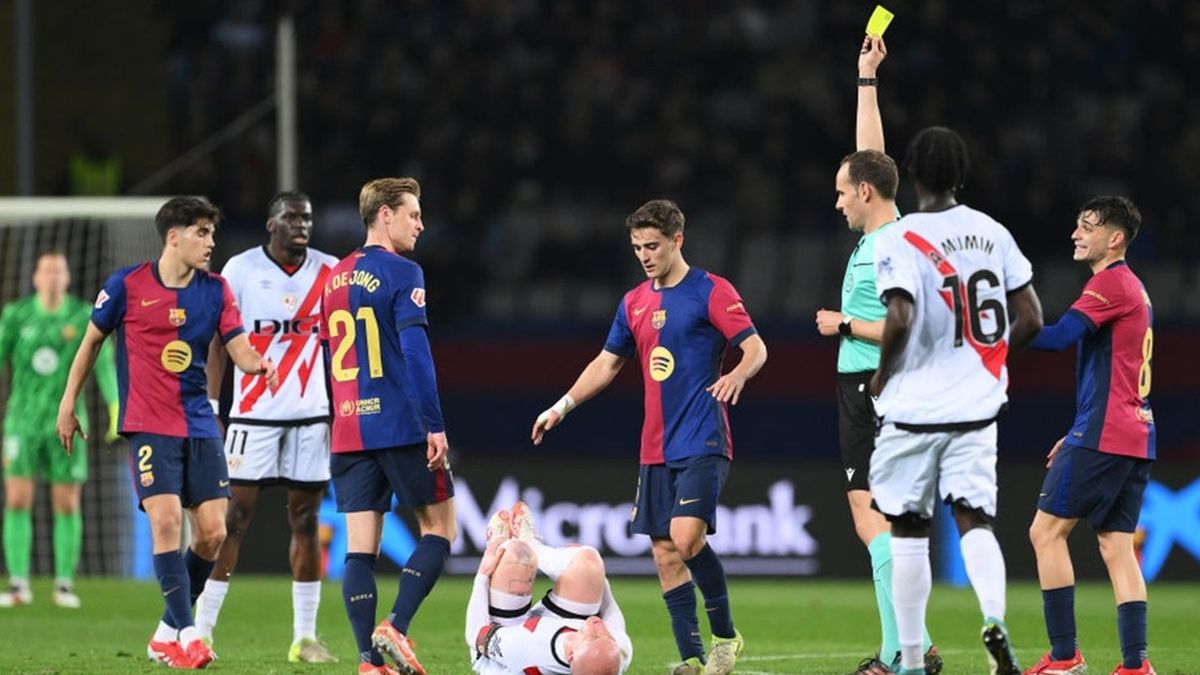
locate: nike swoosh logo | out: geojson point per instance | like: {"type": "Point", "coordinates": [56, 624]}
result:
{"type": "Point", "coordinates": [147, 303]}
{"type": "Point", "coordinates": [1041, 494]}
{"type": "Point", "coordinates": [685, 502]}
{"type": "Point", "coordinates": [170, 591]}
{"type": "Point", "coordinates": [223, 483]}
{"type": "Point", "coordinates": [637, 311]}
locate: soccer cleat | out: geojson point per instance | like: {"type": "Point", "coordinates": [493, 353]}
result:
{"type": "Point", "coordinates": [1146, 669]}
{"type": "Point", "coordinates": [368, 669]}
{"type": "Point", "coordinates": [17, 594]}
{"type": "Point", "coordinates": [395, 644]}
{"type": "Point", "coordinates": [724, 654]}
{"type": "Point", "coordinates": [310, 650]}
{"type": "Point", "coordinates": [199, 654]}
{"type": "Point", "coordinates": [522, 523]}
{"type": "Point", "coordinates": [933, 661]}
{"type": "Point", "coordinates": [499, 526]}
{"type": "Point", "coordinates": [64, 596]}
{"type": "Point", "coordinates": [872, 666]}
{"type": "Point", "coordinates": [169, 654]}
{"type": "Point", "coordinates": [1000, 653]}
{"type": "Point", "coordinates": [690, 666]}
{"type": "Point", "coordinates": [1048, 666]}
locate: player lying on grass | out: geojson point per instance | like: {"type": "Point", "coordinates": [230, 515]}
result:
{"type": "Point", "coordinates": [576, 627]}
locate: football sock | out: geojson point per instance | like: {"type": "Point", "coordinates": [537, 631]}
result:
{"type": "Point", "coordinates": [507, 609]}
{"type": "Point", "coordinates": [709, 576]}
{"type": "Point", "coordinates": [1131, 625]}
{"type": "Point", "coordinates": [552, 560]}
{"type": "Point", "coordinates": [198, 571]}
{"type": "Point", "coordinates": [985, 568]}
{"type": "Point", "coordinates": [580, 608]}
{"type": "Point", "coordinates": [18, 541]}
{"type": "Point", "coordinates": [306, 598]}
{"type": "Point", "coordinates": [880, 549]}
{"type": "Point", "coordinates": [912, 580]}
{"type": "Point", "coordinates": [68, 540]}
{"type": "Point", "coordinates": [358, 593]}
{"type": "Point", "coordinates": [208, 608]}
{"type": "Point", "coordinates": [165, 633]}
{"type": "Point", "coordinates": [172, 576]}
{"type": "Point", "coordinates": [417, 578]}
{"type": "Point", "coordinates": [681, 605]}
{"type": "Point", "coordinates": [1058, 605]}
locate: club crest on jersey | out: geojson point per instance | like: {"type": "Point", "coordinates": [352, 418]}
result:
{"type": "Point", "coordinates": [658, 319]}
{"type": "Point", "coordinates": [177, 316]}
{"type": "Point", "coordinates": [418, 297]}
{"type": "Point", "coordinates": [147, 478]}
{"type": "Point", "coordinates": [290, 301]}
{"type": "Point", "coordinates": [69, 332]}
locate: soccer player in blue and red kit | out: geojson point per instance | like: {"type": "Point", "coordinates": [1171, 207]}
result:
{"type": "Point", "coordinates": [1099, 470]}
{"type": "Point", "coordinates": [678, 324]}
{"type": "Point", "coordinates": [388, 434]}
{"type": "Point", "coordinates": [165, 314]}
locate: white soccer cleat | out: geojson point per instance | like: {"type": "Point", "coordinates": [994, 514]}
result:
{"type": "Point", "coordinates": [522, 523]}
{"type": "Point", "coordinates": [17, 594]}
{"type": "Point", "coordinates": [64, 596]}
{"type": "Point", "coordinates": [499, 528]}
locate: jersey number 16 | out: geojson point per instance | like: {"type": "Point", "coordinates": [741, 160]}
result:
{"type": "Point", "coordinates": [975, 308]}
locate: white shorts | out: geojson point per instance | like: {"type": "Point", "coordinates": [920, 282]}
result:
{"type": "Point", "coordinates": [910, 471]}
{"type": "Point", "coordinates": [291, 454]}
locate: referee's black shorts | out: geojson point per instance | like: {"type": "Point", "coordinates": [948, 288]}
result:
{"type": "Point", "coordinates": [856, 427]}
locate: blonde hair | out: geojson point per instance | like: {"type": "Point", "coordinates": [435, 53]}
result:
{"type": "Point", "coordinates": [385, 191]}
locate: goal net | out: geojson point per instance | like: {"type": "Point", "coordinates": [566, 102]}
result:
{"type": "Point", "coordinates": [98, 235]}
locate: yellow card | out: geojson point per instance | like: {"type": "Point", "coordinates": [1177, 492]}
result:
{"type": "Point", "coordinates": [879, 21]}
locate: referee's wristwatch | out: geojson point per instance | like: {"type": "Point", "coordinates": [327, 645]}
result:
{"type": "Point", "coordinates": [844, 326]}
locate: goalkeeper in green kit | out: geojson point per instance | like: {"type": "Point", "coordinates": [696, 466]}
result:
{"type": "Point", "coordinates": [38, 339]}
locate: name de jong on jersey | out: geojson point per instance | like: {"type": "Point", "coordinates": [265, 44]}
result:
{"type": "Point", "coordinates": [282, 314]}
{"type": "Point", "coordinates": [958, 266]}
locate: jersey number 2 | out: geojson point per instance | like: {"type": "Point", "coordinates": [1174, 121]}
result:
{"type": "Point", "coordinates": [975, 308]}
{"type": "Point", "coordinates": [344, 329]}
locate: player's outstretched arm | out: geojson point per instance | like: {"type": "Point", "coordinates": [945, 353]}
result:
{"type": "Point", "coordinates": [67, 423]}
{"type": "Point", "coordinates": [868, 127]}
{"type": "Point", "coordinates": [595, 377]}
{"type": "Point", "coordinates": [250, 361]}
{"type": "Point", "coordinates": [896, 327]}
{"type": "Point", "coordinates": [728, 388]}
{"type": "Point", "coordinates": [1027, 308]}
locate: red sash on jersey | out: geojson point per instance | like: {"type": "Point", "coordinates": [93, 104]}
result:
{"type": "Point", "coordinates": [993, 356]}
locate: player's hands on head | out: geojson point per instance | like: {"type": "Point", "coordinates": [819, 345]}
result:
{"type": "Point", "coordinates": [67, 426]}
{"type": "Point", "coordinates": [873, 52]}
{"type": "Point", "coordinates": [545, 422]}
{"type": "Point", "coordinates": [1054, 451]}
{"type": "Point", "coordinates": [438, 448]}
{"type": "Point", "coordinates": [828, 321]}
{"type": "Point", "coordinates": [728, 388]}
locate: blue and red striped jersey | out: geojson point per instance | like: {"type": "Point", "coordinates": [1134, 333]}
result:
{"type": "Point", "coordinates": [379, 401]}
{"type": "Point", "coordinates": [162, 347]}
{"type": "Point", "coordinates": [679, 335]}
{"type": "Point", "coordinates": [1112, 365]}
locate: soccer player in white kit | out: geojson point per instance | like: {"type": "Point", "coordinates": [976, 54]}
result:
{"type": "Point", "coordinates": [959, 296]}
{"type": "Point", "coordinates": [576, 628]}
{"type": "Point", "coordinates": [278, 436]}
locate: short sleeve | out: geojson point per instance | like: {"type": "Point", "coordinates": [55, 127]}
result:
{"type": "Point", "coordinates": [727, 313]}
{"type": "Point", "coordinates": [1103, 300]}
{"type": "Point", "coordinates": [230, 325]}
{"type": "Point", "coordinates": [620, 338]}
{"type": "Point", "coordinates": [109, 309]}
{"type": "Point", "coordinates": [408, 305]}
{"type": "Point", "coordinates": [1018, 271]}
{"type": "Point", "coordinates": [894, 269]}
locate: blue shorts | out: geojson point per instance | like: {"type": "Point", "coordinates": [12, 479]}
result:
{"type": "Point", "coordinates": [688, 488]}
{"type": "Point", "coordinates": [1104, 489]}
{"type": "Point", "coordinates": [193, 468]}
{"type": "Point", "coordinates": [367, 479]}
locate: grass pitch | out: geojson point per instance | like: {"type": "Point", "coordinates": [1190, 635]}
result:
{"type": "Point", "coordinates": [794, 627]}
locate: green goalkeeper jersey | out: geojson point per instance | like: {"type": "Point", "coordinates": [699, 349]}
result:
{"type": "Point", "coordinates": [39, 345]}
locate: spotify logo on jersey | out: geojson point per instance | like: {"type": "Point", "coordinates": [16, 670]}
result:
{"type": "Point", "coordinates": [662, 364]}
{"type": "Point", "coordinates": [177, 356]}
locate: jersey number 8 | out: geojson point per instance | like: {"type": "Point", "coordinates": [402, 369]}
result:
{"type": "Point", "coordinates": [342, 325]}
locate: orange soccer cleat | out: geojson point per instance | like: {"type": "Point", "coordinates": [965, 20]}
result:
{"type": "Point", "coordinates": [395, 644]}
{"type": "Point", "coordinates": [1048, 666]}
